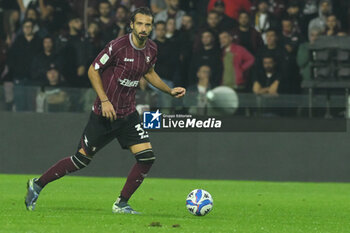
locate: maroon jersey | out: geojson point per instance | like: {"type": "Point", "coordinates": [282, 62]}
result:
{"type": "Point", "coordinates": [121, 65]}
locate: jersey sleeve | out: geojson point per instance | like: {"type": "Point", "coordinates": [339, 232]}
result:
{"type": "Point", "coordinates": [105, 57]}
{"type": "Point", "coordinates": [154, 59]}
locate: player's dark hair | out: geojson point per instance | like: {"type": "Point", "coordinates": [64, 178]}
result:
{"type": "Point", "coordinates": [143, 11]}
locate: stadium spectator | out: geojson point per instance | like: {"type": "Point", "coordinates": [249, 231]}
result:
{"type": "Point", "coordinates": [158, 6]}
{"type": "Point", "coordinates": [236, 61]}
{"type": "Point", "coordinates": [196, 99]}
{"type": "Point", "coordinates": [291, 40]}
{"type": "Point", "coordinates": [208, 54]}
{"type": "Point", "coordinates": [72, 48]}
{"type": "Point", "coordinates": [54, 14]}
{"type": "Point", "coordinates": [170, 29]}
{"type": "Point", "coordinates": [20, 60]}
{"type": "Point", "coordinates": [324, 9]}
{"type": "Point", "coordinates": [5, 78]}
{"type": "Point", "coordinates": [342, 11]}
{"type": "Point", "coordinates": [294, 13]}
{"type": "Point", "coordinates": [267, 80]}
{"type": "Point", "coordinates": [276, 7]}
{"type": "Point", "coordinates": [33, 14]}
{"type": "Point", "coordinates": [278, 52]}
{"type": "Point", "coordinates": [185, 41]}
{"type": "Point", "coordinates": [52, 98]}
{"type": "Point", "coordinates": [264, 20]}
{"type": "Point", "coordinates": [114, 4]}
{"type": "Point", "coordinates": [310, 9]}
{"type": "Point", "coordinates": [93, 42]}
{"type": "Point", "coordinates": [44, 60]}
{"type": "Point", "coordinates": [120, 25]}
{"type": "Point", "coordinates": [214, 24]}
{"type": "Point", "coordinates": [78, 8]}
{"type": "Point", "coordinates": [24, 5]}
{"type": "Point", "coordinates": [166, 64]}
{"type": "Point", "coordinates": [22, 51]}
{"type": "Point", "coordinates": [246, 35]}
{"type": "Point", "coordinates": [226, 21]}
{"type": "Point", "coordinates": [232, 7]}
{"type": "Point", "coordinates": [200, 12]}
{"type": "Point", "coordinates": [133, 4]}
{"type": "Point", "coordinates": [303, 55]}
{"type": "Point", "coordinates": [332, 25]}
{"type": "Point", "coordinates": [11, 25]}
{"type": "Point", "coordinates": [172, 11]}
{"type": "Point", "coordinates": [104, 19]}
{"type": "Point", "coordinates": [273, 48]}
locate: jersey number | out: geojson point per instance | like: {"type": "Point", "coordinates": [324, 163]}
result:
{"type": "Point", "coordinates": [142, 133]}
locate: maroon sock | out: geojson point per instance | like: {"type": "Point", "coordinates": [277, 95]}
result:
{"type": "Point", "coordinates": [60, 169]}
{"type": "Point", "coordinates": [134, 180]}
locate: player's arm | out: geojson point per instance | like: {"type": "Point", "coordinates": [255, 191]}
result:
{"type": "Point", "coordinates": [107, 108]}
{"type": "Point", "coordinates": [153, 78]}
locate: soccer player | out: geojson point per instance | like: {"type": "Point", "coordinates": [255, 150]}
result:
{"type": "Point", "coordinates": [115, 74]}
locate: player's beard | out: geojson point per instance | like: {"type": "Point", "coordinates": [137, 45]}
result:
{"type": "Point", "coordinates": [142, 37]}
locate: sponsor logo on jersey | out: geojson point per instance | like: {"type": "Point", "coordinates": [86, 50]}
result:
{"type": "Point", "coordinates": [148, 59]}
{"type": "Point", "coordinates": [129, 59]}
{"type": "Point", "coordinates": [128, 83]}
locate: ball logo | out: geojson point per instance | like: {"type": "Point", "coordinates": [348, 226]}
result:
{"type": "Point", "coordinates": [151, 120]}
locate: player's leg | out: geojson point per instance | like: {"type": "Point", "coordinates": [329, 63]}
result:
{"type": "Point", "coordinates": [134, 138]}
{"type": "Point", "coordinates": [144, 159]}
{"type": "Point", "coordinates": [58, 170]}
{"type": "Point", "coordinates": [95, 136]}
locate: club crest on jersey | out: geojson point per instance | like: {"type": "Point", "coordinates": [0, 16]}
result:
{"type": "Point", "coordinates": [148, 59]}
{"type": "Point", "coordinates": [129, 59]}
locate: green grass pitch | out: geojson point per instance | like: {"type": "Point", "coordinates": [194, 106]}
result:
{"type": "Point", "coordinates": [83, 204]}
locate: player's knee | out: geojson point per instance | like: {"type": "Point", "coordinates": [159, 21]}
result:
{"type": "Point", "coordinates": [145, 156]}
{"type": "Point", "coordinates": [81, 160]}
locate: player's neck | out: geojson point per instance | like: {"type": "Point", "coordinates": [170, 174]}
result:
{"type": "Point", "coordinates": [139, 44]}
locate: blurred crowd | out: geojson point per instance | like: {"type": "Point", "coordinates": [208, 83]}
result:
{"type": "Point", "coordinates": [251, 46]}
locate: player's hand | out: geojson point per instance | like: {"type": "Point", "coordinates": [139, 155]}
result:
{"type": "Point", "coordinates": [108, 111]}
{"type": "Point", "coordinates": [178, 92]}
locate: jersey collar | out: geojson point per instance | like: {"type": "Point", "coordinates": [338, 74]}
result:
{"type": "Point", "coordinates": [133, 45]}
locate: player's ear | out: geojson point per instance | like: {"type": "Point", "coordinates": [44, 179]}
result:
{"type": "Point", "coordinates": [131, 25]}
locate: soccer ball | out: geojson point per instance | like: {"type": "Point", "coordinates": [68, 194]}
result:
{"type": "Point", "coordinates": [199, 202]}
